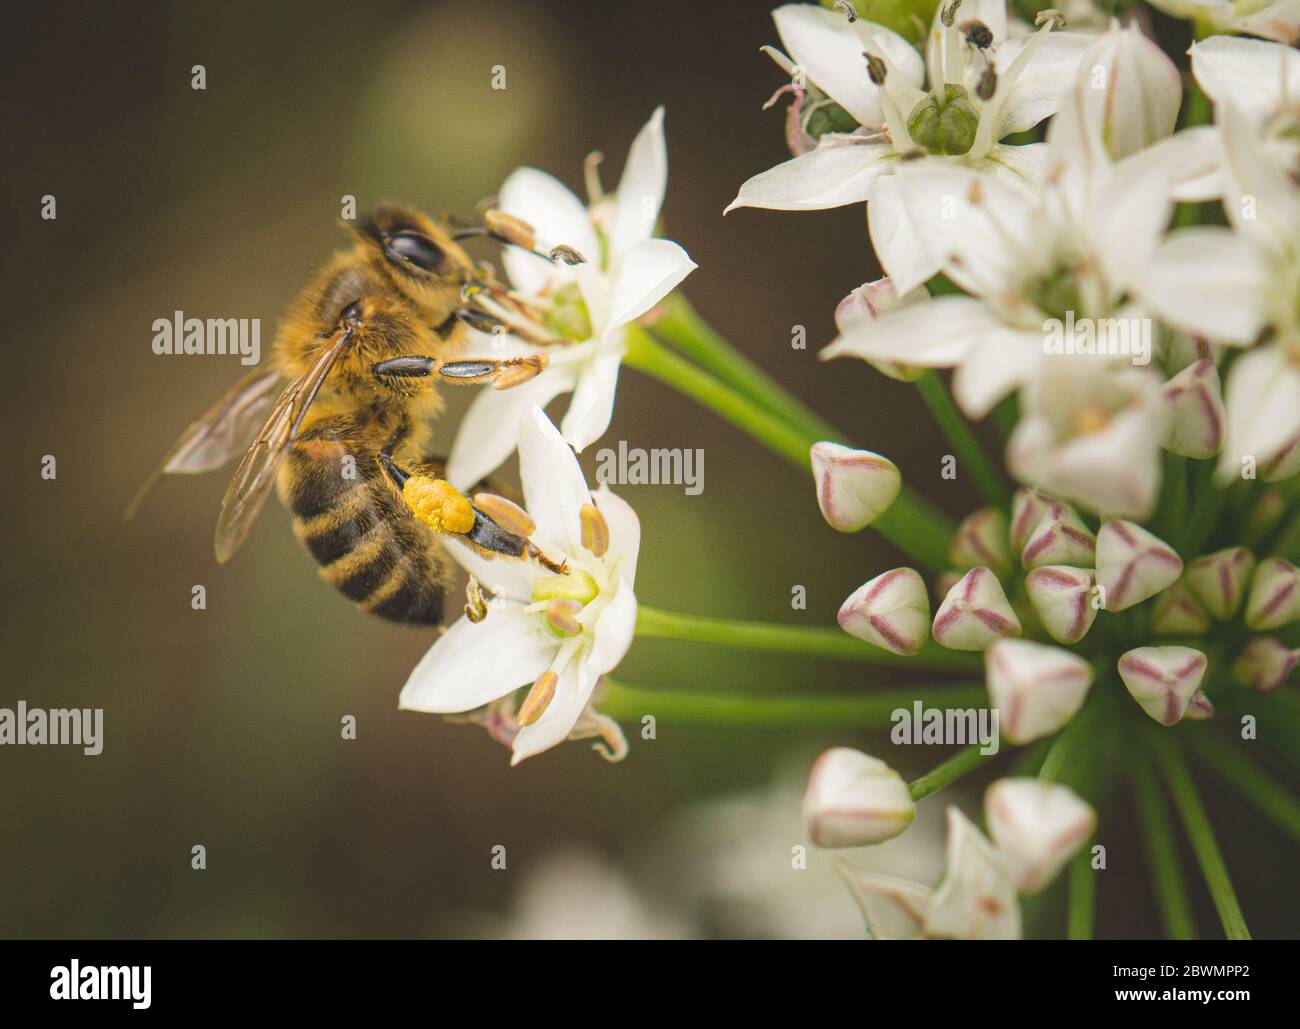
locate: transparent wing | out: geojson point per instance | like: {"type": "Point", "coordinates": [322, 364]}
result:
{"type": "Point", "coordinates": [219, 434]}
{"type": "Point", "coordinates": [248, 490]}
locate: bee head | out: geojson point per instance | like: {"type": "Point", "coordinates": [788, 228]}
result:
{"type": "Point", "coordinates": [418, 256]}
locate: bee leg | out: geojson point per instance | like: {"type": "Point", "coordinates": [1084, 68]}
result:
{"type": "Point", "coordinates": [503, 374]}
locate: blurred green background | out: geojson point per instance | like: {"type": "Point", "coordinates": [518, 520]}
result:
{"type": "Point", "coordinates": [222, 726]}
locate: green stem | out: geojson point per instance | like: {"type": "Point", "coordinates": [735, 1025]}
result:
{"type": "Point", "coordinates": [1253, 783]}
{"type": "Point", "coordinates": [1287, 544]}
{"type": "Point", "coordinates": [678, 324]}
{"type": "Point", "coordinates": [1162, 852]}
{"type": "Point", "coordinates": [871, 710]}
{"type": "Point", "coordinates": [806, 640]}
{"type": "Point", "coordinates": [1081, 913]}
{"type": "Point", "coordinates": [962, 763]}
{"type": "Point", "coordinates": [1196, 822]}
{"type": "Point", "coordinates": [911, 523]}
{"type": "Point", "coordinates": [969, 452]}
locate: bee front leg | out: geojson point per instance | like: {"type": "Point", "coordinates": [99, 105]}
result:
{"type": "Point", "coordinates": [502, 374]}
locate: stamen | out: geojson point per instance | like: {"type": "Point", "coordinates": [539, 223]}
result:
{"type": "Point", "coordinates": [506, 513]}
{"type": "Point", "coordinates": [594, 530]}
{"type": "Point", "coordinates": [591, 176]}
{"type": "Point", "coordinates": [562, 616]}
{"type": "Point", "coordinates": [475, 607]}
{"type": "Point", "coordinates": [1049, 14]}
{"type": "Point", "coordinates": [564, 252]}
{"type": "Point", "coordinates": [508, 227]}
{"type": "Point", "coordinates": [539, 698]}
{"type": "Point", "coordinates": [847, 9]}
{"type": "Point", "coordinates": [987, 84]}
{"type": "Point", "coordinates": [519, 370]}
{"type": "Point", "coordinates": [875, 68]}
{"type": "Point", "coordinates": [949, 13]}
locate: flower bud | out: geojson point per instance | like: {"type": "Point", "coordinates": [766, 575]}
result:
{"type": "Point", "coordinates": [1197, 420]}
{"type": "Point", "coordinates": [1035, 688]}
{"type": "Point", "coordinates": [1027, 509]}
{"type": "Point", "coordinates": [871, 300]}
{"type": "Point", "coordinates": [1163, 680]}
{"type": "Point", "coordinates": [975, 613]}
{"type": "Point", "coordinates": [1219, 580]}
{"type": "Point", "coordinates": [894, 909]}
{"type": "Point", "coordinates": [981, 539]}
{"type": "Point", "coordinates": [1131, 90]}
{"type": "Point", "coordinates": [976, 899]}
{"type": "Point", "coordinates": [1062, 599]}
{"type": "Point", "coordinates": [854, 487]}
{"type": "Point", "coordinates": [1132, 564]}
{"type": "Point", "coordinates": [1059, 538]}
{"type": "Point", "coordinates": [1038, 826]}
{"type": "Point", "coordinates": [1274, 595]}
{"type": "Point", "coordinates": [891, 611]}
{"type": "Point", "coordinates": [1177, 613]}
{"type": "Point", "coordinates": [1265, 664]}
{"type": "Point", "coordinates": [853, 800]}
{"type": "Point", "coordinates": [1199, 709]}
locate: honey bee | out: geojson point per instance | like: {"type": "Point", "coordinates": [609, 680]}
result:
{"type": "Point", "coordinates": [362, 348]}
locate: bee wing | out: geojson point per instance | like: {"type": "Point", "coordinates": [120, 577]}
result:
{"type": "Point", "coordinates": [246, 495]}
{"type": "Point", "coordinates": [219, 434]}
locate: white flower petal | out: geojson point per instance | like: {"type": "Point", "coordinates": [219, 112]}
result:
{"type": "Point", "coordinates": [641, 277]}
{"type": "Point", "coordinates": [1251, 74]}
{"type": "Point", "coordinates": [614, 630]}
{"type": "Point", "coordinates": [975, 900]}
{"type": "Point", "coordinates": [640, 192]}
{"type": "Point", "coordinates": [557, 215]}
{"type": "Point", "coordinates": [829, 50]}
{"type": "Point", "coordinates": [489, 432]}
{"type": "Point", "coordinates": [1037, 91]}
{"type": "Point", "coordinates": [1263, 409]}
{"type": "Point", "coordinates": [473, 664]}
{"type": "Point", "coordinates": [901, 254]}
{"type": "Point", "coordinates": [554, 487]}
{"type": "Point", "coordinates": [572, 692]}
{"type": "Point", "coordinates": [935, 333]}
{"type": "Point", "coordinates": [624, 533]}
{"type": "Point", "coordinates": [592, 405]}
{"type": "Point", "coordinates": [830, 176]}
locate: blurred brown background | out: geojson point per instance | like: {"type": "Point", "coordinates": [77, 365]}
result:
{"type": "Point", "coordinates": [222, 726]}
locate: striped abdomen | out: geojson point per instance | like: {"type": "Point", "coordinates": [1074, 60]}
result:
{"type": "Point", "coordinates": [347, 514]}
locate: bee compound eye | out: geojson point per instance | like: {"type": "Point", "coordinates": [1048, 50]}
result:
{"type": "Point", "coordinates": [417, 249]}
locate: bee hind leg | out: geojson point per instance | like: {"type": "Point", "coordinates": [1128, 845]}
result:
{"type": "Point", "coordinates": [502, 374]}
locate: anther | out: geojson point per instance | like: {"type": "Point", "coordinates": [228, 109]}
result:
{"type": "Point", "coordinates": [1049, 14]}
{"type": "Point", "coordinates": [977, 34]}
{"type": "Point", "coordinates": [594, 530]}
{"type": "Point", "coordinates": [564, 252]}
{"type": "Point", "coordinates": [475, 606]}
{"type": "Point", "coordinates": [875, 68]}
{"type": "Point", "coordinates": [539, 698]}
{"type": "Point", "coordinates": [562, 616]}
{"type": "Point", "coordinates": [987, 84]}
{"type": "Point", "coordinates": [511, 229]}
{"type": "Point", "coordinates": [518, 370]}
{"type": "Point", "coordinates": [847, 9]}
{"type": "Point", "coordinates": [506, 513]}
{"type": "Point", "coordinates": [949, 13]}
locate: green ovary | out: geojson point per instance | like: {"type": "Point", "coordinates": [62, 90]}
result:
{"type": "Point", "coordinates": [946, 126]}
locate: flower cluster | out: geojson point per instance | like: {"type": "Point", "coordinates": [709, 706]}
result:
{"type": "Point", "coordinates": [1124, 298]}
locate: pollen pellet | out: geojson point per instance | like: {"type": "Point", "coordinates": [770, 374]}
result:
{"type": "Point", "coordinates": [562, 615]}
{"type": "Point", "coordinates": [510, 228]}
{"type": "Point", "coordinates": [438, 504]}
{"type": "Point", "coordinates": [595, 530]}
{"type": "Point", "coordinates": [539, 698]}
{"type": "Point", "coordinates": [506, 513]}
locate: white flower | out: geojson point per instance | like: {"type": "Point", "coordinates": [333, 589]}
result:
{"type": "Point", "coordinates": [1241, 286]}
{"type": "Point", "coordinates": [1163, 680]}
{"type": "Point", "coordinates": [973, 100]}
{"type": "Point", "coordinates": [854, 800]}
{"type": "Point", "coordinates": [854, 487]}
{"type": "Point", "coordinates": [559, 632]}
{"type": "Point", "coordinates": [1037, 826]}
{"type": "Point", "coordinates": [975, 613]}
{"type": "Point", "coordinates": [1036, 689]}
{"type": "Point", "coordinates": [892, 611]}
{"type": "Point", "coordinates": [1032, 266]}
{"type": "Point", "coordinates": [626, 272]}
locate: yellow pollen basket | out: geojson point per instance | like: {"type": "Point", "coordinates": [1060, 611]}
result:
{"type": "Point", "coordinates": [438, 505]}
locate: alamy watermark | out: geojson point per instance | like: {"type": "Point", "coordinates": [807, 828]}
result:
{"type": "Point", "coordinates": [102, 982]}
{"type": "Point", "coordinates": [1100, 337]}
{"type": "Point", "coordinates": [75, 727]}
{"type": "Point", "coordinates": [950, 726]}
{"type": "Point", "coordinates": [181, 335]}
{"type": "Point", "coordinates": [636, 466]}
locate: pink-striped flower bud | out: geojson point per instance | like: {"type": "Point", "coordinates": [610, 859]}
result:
{"type": "Point", "coordinates": [853, 800]}
{"type": "Point", "coordinates": [891, 611]}
{"type": "Point", "coordinates": [854, 487]}
{"type": "Point", "coordinates": [1063, 600]}
{"type": "Point", "coordinates": [1038, 826]}
{"type": "Point", "coordinates": [981, 539]}
{"type": "Point", "coordinates": [1059, 538]}
{"type": "Point", "coordinates": [1163, 680]}
{"type": "Point", "coordinates": [1196, 420]}
{"type": "Point", "coordinates": [1027, 509]}
{"type": "Point", "coordinates": [1199, 709]}
{"type": "Point", "coordinates": [1219, 580]}
{"type": "Point", "coordinates": [1133, 565]}
{"type": "Point", "coordinates": [871, 300]}
{"type": "Point", "coordinates": [1274, 595]}
{"type": "Point", "coordinates": [1035, 688]}
{"type": "Point", "coordinates": [1265, 664]}
{"type": "Point", "coordinates": [1177, 613]}
{"type": "Point", "coordinates": [975, 613]}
